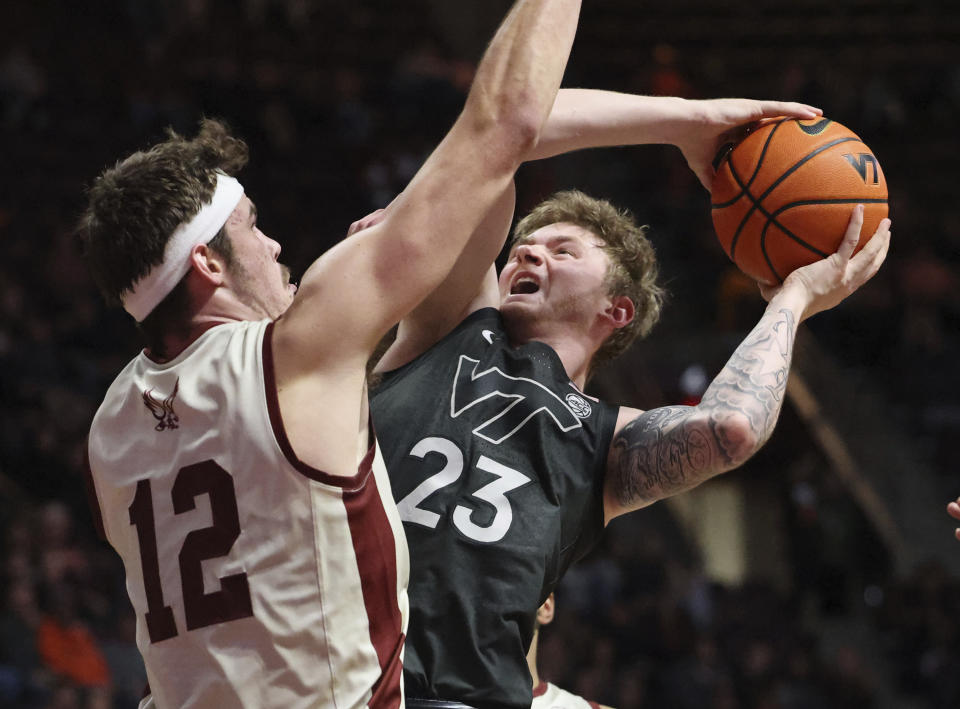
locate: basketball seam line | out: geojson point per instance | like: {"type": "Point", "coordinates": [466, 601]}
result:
{"type": "Point", "coordinates": [790, 234]}
{"type": "Point", "coordinates": [756, 169]}
{"type": "Point", "coordinates": [756, 200]}
{"type": "Point", "coordinates": [805, 203]}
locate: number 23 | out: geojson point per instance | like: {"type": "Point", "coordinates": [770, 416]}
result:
{"type": "Point", "coordinates": [494, 493]}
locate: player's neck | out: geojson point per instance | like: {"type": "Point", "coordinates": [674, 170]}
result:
{"type": "Point", "coordinates": [575, 353]}
{"type": "Point", "coordinates": [575, 349]}
{"type": "Point", "coordinates": [576, 359]}
{"type": "Point", "coordinates": [217, 306]}
{"type": "Point", "coordinates": [176, 342]}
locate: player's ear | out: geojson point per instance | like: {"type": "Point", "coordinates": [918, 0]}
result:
{"type": "Point", "coordinates": [208, 264]}
{"type": "Point", "coordinates": [620, 311]}
{"type": "Point", "coordinates": [545, 612]}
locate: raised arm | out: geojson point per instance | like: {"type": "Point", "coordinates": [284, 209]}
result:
{"type": "Point", "coordinates": [588, 118]}
{"type": "Point", "coordinates": [357, 290]}
{"type": "Point", "coordinates": [579, 118]}
{"type": "Point", "coordinates": [658, 453]}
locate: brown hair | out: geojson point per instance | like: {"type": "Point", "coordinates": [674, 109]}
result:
{"type": "Point", "coordinates": [633, 264]}
{"type": "Point", "coordinates": [135, 206]}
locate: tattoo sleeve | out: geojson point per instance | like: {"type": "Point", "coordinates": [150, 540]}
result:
{"type": "Point", "coordinates": [667, 450]}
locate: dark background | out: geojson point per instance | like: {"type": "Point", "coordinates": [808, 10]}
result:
{"type": "Point", "coordinates": [340, 102]}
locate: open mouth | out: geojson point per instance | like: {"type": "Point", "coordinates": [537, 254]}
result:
{"type": "Point", "coordinates": [524, 285]}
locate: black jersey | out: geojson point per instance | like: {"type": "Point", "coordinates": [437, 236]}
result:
{"type": "Point", "coordinates": [497, 462]}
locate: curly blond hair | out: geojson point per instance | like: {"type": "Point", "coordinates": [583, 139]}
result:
{"type": "Point", "coordinates": [633, 264]}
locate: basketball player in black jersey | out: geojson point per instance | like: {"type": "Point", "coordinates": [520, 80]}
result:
{"type": "Point", "coordinates": [504, 471]}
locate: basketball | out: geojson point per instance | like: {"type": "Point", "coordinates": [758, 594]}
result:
{"type": "Point", "coordinates": [783, 195]}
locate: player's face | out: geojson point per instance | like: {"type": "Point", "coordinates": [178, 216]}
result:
{"type": "Point", "coordinates": [258, 279]}
{"type": "Point", "coordinates": [557, 273]}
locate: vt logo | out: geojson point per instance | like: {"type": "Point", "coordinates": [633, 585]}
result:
{"type": "Point", "coordinates": [162, 410]}
{"type": "Point", "coordinates": [506, 402]}
{"type": "Point", "coordinates": [861, 162]}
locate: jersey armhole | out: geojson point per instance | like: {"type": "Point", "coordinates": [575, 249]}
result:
{"type": "Point", "coordinates": [589, 535]}
{"type": "Point", "coordinates": [351, 482]}
{"type": "Point", "coordinates": [606, 443]}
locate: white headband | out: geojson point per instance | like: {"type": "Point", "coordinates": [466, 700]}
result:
{"type": "Point", "coordinates": [147, 293]}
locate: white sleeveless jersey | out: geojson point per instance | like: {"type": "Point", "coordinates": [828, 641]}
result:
{"type": "Point", "coordinates": [550, 696]}
{"type": "Point", "coordinates": [257, 580]}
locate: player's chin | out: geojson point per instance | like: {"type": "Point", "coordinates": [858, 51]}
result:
{"type": "Point", "coordinates": [517, 301]}
{"type": "Point", "coordinates": [282, 302]}
{"type": "Point", "coordinates": [518, 309]}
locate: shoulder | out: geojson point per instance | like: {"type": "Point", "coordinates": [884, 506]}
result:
{"type": "Point", "coordinates": [237, 347]}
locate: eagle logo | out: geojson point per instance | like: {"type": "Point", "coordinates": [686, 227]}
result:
{"type": "Point", "coordinates": [162, 410]}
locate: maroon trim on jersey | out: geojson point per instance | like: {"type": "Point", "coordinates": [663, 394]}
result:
{"type": "Point", "coordinates": [374, 546]}
{"type": "Point", "coordinates": [593, 705]}
{"type": "Point", "coordinates": [386, 690]}
{"type": "Point", "coordinates": [92, 499]}
{"type": "Point", "coordinates": [280, 433]}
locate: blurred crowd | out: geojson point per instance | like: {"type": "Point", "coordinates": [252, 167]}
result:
{"type": "Point", "coordinates": [638, 625]}
{"type": "Point", "coordinates": [340, 102]}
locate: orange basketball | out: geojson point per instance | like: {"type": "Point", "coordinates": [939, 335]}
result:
{"type": "Point", "coordinates": [783, 195]}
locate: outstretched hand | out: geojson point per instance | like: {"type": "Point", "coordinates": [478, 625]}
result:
{"type": "Point", "coordinates": [828, 281]}
{"type": "Point", "coordinates": [953, 509]}
{"type": "Point", "coordinates": [725, 119]}
{"type": "Point", "coordinates": [375, 217]}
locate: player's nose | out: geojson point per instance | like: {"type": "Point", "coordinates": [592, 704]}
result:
{"type": "Point", "coordinates": [528, 253]}
{"type": "Point", "coordinates": [274, 247]}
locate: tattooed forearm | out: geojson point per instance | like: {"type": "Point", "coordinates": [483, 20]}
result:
{"type": "Point", "coordinates": [668, 450]}
{"type": "Point", "coordinates": [754, 380]}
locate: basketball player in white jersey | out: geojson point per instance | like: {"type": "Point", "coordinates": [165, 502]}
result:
{"type": "Point", "coordinates": [232, 461]}
{"type": "Point", "coordinates": [547, 695]}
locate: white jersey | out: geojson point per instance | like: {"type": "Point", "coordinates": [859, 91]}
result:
{"type": "Point", "coordinates": [257, 580]}
{"type": "Point", "coordinates": [550, 696]}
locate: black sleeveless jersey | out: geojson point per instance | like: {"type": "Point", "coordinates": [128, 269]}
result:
{"type": "Point", "coordinates": [497, 464]}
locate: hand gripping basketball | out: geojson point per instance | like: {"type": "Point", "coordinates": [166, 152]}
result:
{"type": "Point", "coordinates": [828, 281]}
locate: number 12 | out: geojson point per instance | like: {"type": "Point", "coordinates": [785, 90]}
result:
{"type": "Point", "coordinates": [232, 601]}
